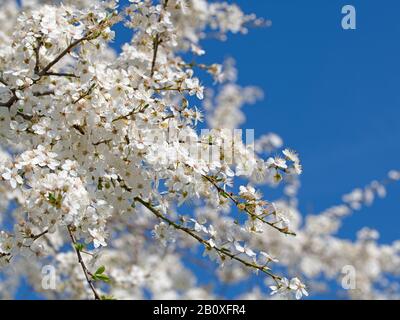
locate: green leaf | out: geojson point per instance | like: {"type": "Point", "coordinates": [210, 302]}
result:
{"type": "Point", "coordinates": [101, 277]}
{"type": "Point", "coordinates": [52, 198]}
{"type": "Point", "coordinates": [100, 270]}
{"type": "Point", "coordinates": [105, 297]}
{"type": "Point", "coordinates": [79, 246]}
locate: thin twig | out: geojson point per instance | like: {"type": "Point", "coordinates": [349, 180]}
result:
{"type": "Point", "coordinates": [222, 252]}
{"type": "Point", "coordinates": [156, 43]}
{"type": "Point", "coordinates": [62, 54]}
{"type": "Point", "coordinates": [2, 81]}
{"type": "Point", "coordinates": [60, 74]}
{"type": "Point", "coordinates": [37, 55]}
{"type": "Point", "coordinates": [85, 94]}
{"type": "Point", "coordinates": [254, 216]}
{"type": "Point", "coordinates": [42, 94]}
{"type": "Point", "coordinates": [84, 268]}
{"type": "Point", "coordinates": [10, 102]}
{"type": "Point", "coordinates": [37, 236]}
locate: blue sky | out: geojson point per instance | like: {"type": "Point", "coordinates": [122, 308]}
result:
{"type": "Point", "coordinates": [333, 95]}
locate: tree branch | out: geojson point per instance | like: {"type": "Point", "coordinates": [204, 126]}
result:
{"type": "Point", "coordinates": [61, 55]}
{"type": "Point", "coordinates": [37, 55]}
{"type": "Point", "coordinates": [2, 81]}
{"type": "Point", "coordinates": [156, 43]}
{"type": "Point", "coordinates": [84, 268]}
{"type": "Point", "coordinates": [60, 74]}
{"type": "Point", "coordinates": [10, 102]}
{"type": "Point", "coordinates": [254, 216]}
{"type": "Point", "coordinates": [37, 236]}
{"type": "Point", "coordinates": [221, 251]}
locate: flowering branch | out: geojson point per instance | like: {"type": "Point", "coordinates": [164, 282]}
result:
{"type": "Point", "coordinates": [245, 208]}
{"type": "Point", "coordinates": [223, 252]}
{"type": "Point", "coordinates": [86, 271]}
{"type": "Point", "coordinates": [91, 35]}
{"type": "Point", "coordinates": [37, 236]}
{"type": "Point", "coordinates": [156, 42]}
{"type": "Point", "coordinates": [60, 74]}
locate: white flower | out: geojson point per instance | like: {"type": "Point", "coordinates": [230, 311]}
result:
{"type": "Point", "coordinates": [277, 163]}
{"type": "Point", "coordinates": [18, 127]}
{"type": "Point", "coordinates": [164, 233]}
{"type": "Point", "coordinates": [137, 275]}
{"type": "Point", "coordinates": [13, 177]}
{"type": "Point", "coordinates": [211, 243]}
{"type": "Point", "coordinates": [45, 158]}
{"type": "Point", "coordinates": [248, 192]}
{"type": "Point", "coordinates": [291, 155]}
{"type": "Point", "coordinates": [297, 168]}
{"type": "Point", "coordinates": [5, 94]}
{"type": "Point", "coordinates": [212, 254]}
{"type": "Point", "coordinates": [98, 237]}
{"type": "Point", "coordinates": [244, 249]}
{"type": "Point", "coordinates": [268, 143]}
{"type": "Point", "coordinates": [6, 245]}
{"type": "Point", "coordinates": [298, 287]}
{"type": "Point", "coordinates": [281, 287]}
{"type": "Point", "coordinates": [265, 258]}
{"type": "Point", "coordinates": [198, 227]}
{"type": "Point", "coordinates": [394, 175]}
{"type": "Point", "coordinates": [71, 167]}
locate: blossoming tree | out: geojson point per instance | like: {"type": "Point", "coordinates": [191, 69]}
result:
{"type": "Point", "coordinates": [107, 178]}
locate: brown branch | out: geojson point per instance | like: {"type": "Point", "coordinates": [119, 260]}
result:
{"type": "Point", "coordinates": [37, 236]}
{"type": "Point", "coordinates": [46, 70]}
{"type": "Point", "coordinates": [85, 94]}
{"type": "Point", "coordinates": [84, 268]}
{"type": "Point", "coordinates": [37, 56]}
{"type": "Point", "coordinates": [156, 43]}
{"type": "Point", "coordinates": [61, 55]}
{"type": "Point", "coordinates": [2, 81]}
{"type": "Point", "coordinates": [60, 74]}
{"type": "Point", "coordinates": [90, 35]}
{"type": "Point", "coordinates": [140, 109]}
{"type": "Point", "coordinates": [221, 251]}
{"type": "Point", "coordinates": [42, 94]}
{"type": "Point", "coordinates": [101, 142]}
{"type": "Point", "coordinates": [10, 102]}
{"type": "Point", "coordinates": [254, 216]}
